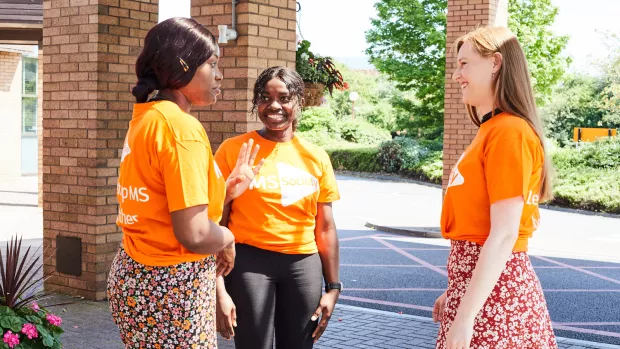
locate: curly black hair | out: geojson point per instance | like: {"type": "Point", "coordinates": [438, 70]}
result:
{"type": "Point", "coordinates": [293, 81]}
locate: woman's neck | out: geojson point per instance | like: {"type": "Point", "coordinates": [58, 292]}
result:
{"type": "Point", "coordinates": [277, 135]}
{"type": "Point", "coordinates": [175, 96]}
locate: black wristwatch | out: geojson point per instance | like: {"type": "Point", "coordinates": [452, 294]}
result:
{"type": "Point", "coordinates": [334, 286]}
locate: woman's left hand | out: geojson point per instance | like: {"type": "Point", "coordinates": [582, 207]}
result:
{"type": "Point", "coordinates": [244, 171]}
{"type": "Point", "coordinates": [460, 334]}
{"type": "Point", "coordinates": [225, 260]}
{"type": "Point", "coordinates": [325, 310]}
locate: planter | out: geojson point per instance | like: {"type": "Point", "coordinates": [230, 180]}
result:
{"type": "Point", "coordinates": [313, 94]}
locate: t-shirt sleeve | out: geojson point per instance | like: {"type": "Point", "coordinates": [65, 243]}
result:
{"type": "Point", "coordinates": [221, 158]}
{"type": "Point", "coordinates": [327, 183]}
{"type": "Point", "coordinates": [508, 165]}
{"type": "Point", "coordinates": [185, 166]}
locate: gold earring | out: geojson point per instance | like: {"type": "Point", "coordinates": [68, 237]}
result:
{"type": "Point", "coordinates": [184, 65]}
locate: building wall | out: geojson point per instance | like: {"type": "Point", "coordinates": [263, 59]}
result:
{"type": "Point", "coordinates": [10, 100]}
{"type": "Point", "coordinates": [463, 16]}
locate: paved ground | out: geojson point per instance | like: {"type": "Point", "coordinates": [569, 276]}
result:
{"type": "Point", "coordinates": [351, 327]}
{"type": "Point", "coordinates": [575, 256]}
{"type": "Point", "coordinates": [400, 274]}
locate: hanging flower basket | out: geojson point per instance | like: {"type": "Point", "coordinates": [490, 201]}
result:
{"type": "Point", "coordinates": [313, 94]}
{"type": "Point", "coordinates": [319, 74]}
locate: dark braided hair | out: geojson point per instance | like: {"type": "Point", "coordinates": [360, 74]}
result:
{"type": "Point", "coordinates": [173, 50]}
{"type": "Point", "coordinates": [293, 81]}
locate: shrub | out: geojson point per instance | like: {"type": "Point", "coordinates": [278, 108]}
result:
{"type": "Point", "coordinates": [359, 160]}
{"type": "Point", "coordinates": [358, 131]}
{"type": "Point", "coordinates": [318, 117]}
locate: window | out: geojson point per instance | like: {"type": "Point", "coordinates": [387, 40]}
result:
{"type": "Point", "coordinates": [29, 96]}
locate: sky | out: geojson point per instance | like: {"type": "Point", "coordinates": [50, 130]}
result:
{"type": "Point", "coordinates": [336, 27]}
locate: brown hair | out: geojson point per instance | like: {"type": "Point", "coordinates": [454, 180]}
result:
{"type": "Point", "coordinates": [512, 86]}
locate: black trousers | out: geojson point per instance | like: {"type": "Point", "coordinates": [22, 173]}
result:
{"type": "Point", "coordinates": [275, 294]}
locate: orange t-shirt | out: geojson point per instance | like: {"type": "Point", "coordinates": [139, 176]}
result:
{"type": "Point", "coordinates": [166, 165]}
{"type": "Point", "coordinates": [278, 211]}
{"type": "Point", "coordinates": [504, 160]}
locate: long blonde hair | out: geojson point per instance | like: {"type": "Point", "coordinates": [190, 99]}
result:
{"type": "Point", "coordinates": [513, 89]}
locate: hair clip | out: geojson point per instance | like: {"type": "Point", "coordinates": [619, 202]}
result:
{"type": "Point", "coordinates": [185, 66]}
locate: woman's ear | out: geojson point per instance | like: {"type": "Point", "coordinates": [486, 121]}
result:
{"type": "Point", "coordinates": [498, 60]}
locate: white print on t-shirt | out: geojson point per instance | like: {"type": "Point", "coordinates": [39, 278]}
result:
{"type": "Point", "coordinates": [532, 199]}
{"type": "Point", "coordinates": [456, 178]}
{"type": "Point", "coordinates": [294, 183]}
{"type": "Point", "coordinates": [132, 193]}
{"type": "Point", "coordinates": [535, 222]}
{"type": "Point", "coordinates": [126, 150]}
{"type": "Point", "coordinates": [218, 173]}
{"type": "Point", "coordinates": [126, 219]}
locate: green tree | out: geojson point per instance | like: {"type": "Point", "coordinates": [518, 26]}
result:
{"type": "Point", "coordinates": [610, 96]}
{"type": "Point", "coordinates": [408, 43]}
{"type": "Point", "coordinates": [575, 103]}
{"type": "Point", "coordinates": [531, 21]}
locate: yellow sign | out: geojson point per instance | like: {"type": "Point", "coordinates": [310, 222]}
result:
{"type": "Point", "coordinates": [591, 134]}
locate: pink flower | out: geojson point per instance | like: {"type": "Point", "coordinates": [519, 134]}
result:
{"type": "Point", "coordinates": [30, 330]}
{"type": "Point", "coordinates": [34, 306]}
{"type": "Point", "coordinates": [11, 339]}
{"type": "Point", "coordinates": [311, 61]}
{"type": "Point", "coordinates": [54, 320]}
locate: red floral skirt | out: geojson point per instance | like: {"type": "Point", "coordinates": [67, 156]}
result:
{"type": "Point", "coordinates": [515, 315]}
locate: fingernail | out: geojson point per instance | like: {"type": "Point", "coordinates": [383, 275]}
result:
{"type": "Point", "coordinates": [313, 318]}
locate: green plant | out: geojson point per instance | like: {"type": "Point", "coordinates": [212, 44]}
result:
{"type": "Point", "coordinates": [412, 158]}
{"type": "Point", "coordinates": [362, 132]}
{"type": "Point", "coordinates": [23, 324]}
{"type": "Point", "coordinates": [318, 69]}
{"type": "Point", "coordinates": [317, 136]}
{"type": "Point", "coordinates": [318, 117]}
{"type": "Point", "coordinates": [359, 160]}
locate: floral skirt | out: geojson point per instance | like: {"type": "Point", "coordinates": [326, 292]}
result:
{"type": "Point", "coordinates": [515, 315]}
{"type": "Point", "coordinates": [163, 307]}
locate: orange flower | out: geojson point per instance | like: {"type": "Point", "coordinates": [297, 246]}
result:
{"type": "Point", "coordinates": [187, 325]}
{"type": "Point", "coordinates": [176, 323]}
{"type": "Point", "coordinates": [131, 302]}
{"type": "Point", "coordinates": [196, 283]}
{"type": "Point", "coordinates": [157, 346]}
{"type": "Point", "coordinates": [151, 321]}
{"type": "Point", "coordinates": [147, 293]}
{"type": "Point", "coordinates": [141, 325]}
{"type": "Point", "coordinates": [173, 271]}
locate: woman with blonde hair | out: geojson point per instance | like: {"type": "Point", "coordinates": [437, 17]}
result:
{"type": "Point", "coordinates": [494, 298]}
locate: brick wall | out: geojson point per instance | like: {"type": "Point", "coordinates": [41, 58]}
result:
{"type": "Point", "coordinates": [266, 30]}
{"type": "Point", "coordinates": [463, 16]}
{"type": "Point", "coordinates": [40, 125]}
{"type": "Point", "coordinates": [90, 49]}
{"type": "Point", "coordinates": [11, 102]}
{"type": "Point", "coordinates": [9, 62]}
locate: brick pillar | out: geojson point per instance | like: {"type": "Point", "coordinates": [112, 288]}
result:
{"type": "Point", "coordinates": [266, 30]}
{"type": "Point", "coordinates": [463, 16]}
{"type": "Point", "coordinates": [90, 50]}
{"type": "Point", "coordinates": [40, 124]}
